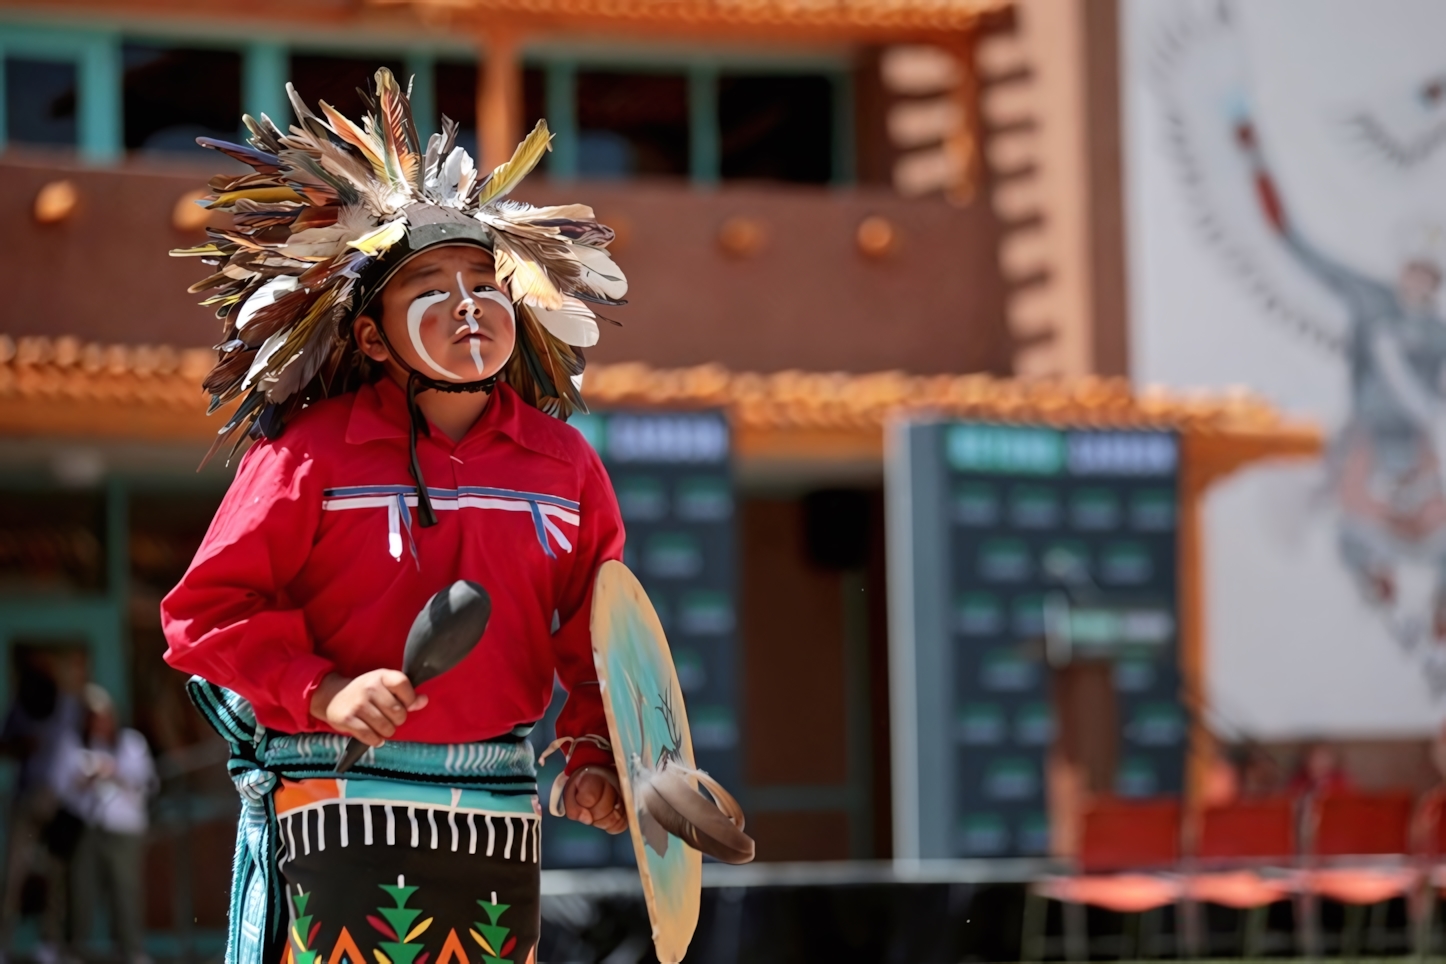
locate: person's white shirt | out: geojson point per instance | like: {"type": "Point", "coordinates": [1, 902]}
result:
{"type": "Point", "coordinates": [107, 788]}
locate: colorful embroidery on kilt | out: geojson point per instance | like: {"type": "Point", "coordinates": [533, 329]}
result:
{"type": "Point", "coordinates": [400, 920]}
{"type": "Point", "coordinates": [303, 931]}
{"type": "Point", "coordinates": [312, 813]}
{"type": "Point", "coordinates": [492, 937]}
{"type": "Point", "coordinates": [450, 811]}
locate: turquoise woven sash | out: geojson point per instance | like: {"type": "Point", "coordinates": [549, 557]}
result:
{"type": "Point", "coordinates": [259, 759]}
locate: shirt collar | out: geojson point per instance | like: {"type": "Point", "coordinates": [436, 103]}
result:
{"type": "Point", "coordinates": [379, 411]}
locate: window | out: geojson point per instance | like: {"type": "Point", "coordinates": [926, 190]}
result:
{"type": "Point", "coordinates": [172, 95]}
{"type": "Point", "coordinates": [631, 124]}
{"type": "Point", "coordinates": [456, 85]}
{"type": "Point", "coordinates": [52, 541]}
{"type": "Point", "coordinates": [40, 101]}
{"type": "Point", "coordinates": [777, 128]}
{"type": "Point", "coordinates": [336, 80]}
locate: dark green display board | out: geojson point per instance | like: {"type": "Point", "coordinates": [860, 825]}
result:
{"type": "Point", "coordinates": [671, 472]}
{"type": "Point", "coordinates": [1015, 551]}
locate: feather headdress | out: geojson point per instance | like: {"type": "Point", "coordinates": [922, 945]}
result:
{"type": "Point", "coordinates": [327, 213]}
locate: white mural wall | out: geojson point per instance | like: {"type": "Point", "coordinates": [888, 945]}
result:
{"type": "Point", "coordinates": [1285, 163]}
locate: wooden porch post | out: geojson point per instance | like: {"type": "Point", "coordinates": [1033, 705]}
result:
{"type": "Point", "coordinates": [499, 97]}
{"type": "Point", "coordinates": [1195, 478]}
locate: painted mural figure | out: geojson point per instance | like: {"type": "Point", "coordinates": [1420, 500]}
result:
{"type": "Point", "coordinates": [1387, 461]}
{"type": "Point", "coordinates": [1386, 467]}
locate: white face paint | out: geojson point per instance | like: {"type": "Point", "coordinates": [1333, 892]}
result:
{"type": "Point", "coordinates": [474, 312]}
{"type": "Point", "coordinates": [417, 311]}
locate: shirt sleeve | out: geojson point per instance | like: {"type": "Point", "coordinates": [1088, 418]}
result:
{"type": "Point", "coordinates": [600, 538]}
{"type": "Point", "coordinates": [229, 620]}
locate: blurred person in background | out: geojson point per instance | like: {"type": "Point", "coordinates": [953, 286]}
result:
{"type": "Point", "coordinates": [106, 774]}
{"type": "Point", "coordinates": [1259, 774]}
{"type": "Point", "coordinates": [1222, 778]}
{"type": "Point", "coordinates": [39, 835]}
{"type": "Point", "coordinates": [1320, 771]}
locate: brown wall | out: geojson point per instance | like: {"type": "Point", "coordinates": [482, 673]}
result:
{"type": "Point", "coordinates": [816, 756]}
{"type": "Point", "coordinates": [793, 651]}
{"type": "Point", "coordinates": [807, 299]}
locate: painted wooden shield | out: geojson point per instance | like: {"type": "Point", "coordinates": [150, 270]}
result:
{"type": "Point", "coordinates": [644, 706]}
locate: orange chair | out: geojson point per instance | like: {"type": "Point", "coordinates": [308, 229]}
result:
{"type": "Point", "coordinates": [1240, 861]}
{"type": "Point", "coordinates": [1126, 849]}
{"type": "Point", "coordinates": [1357, 853]}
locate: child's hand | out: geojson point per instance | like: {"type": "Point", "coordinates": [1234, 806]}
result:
{"type": "Point", "coordinates": [369, 707]}
{"type": "Point", "coordinates": [591, 797]}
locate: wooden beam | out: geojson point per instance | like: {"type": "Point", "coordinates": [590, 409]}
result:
{"type": "Point", "coordinates": [499, 101]}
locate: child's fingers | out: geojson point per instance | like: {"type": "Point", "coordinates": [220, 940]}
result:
{"type": "Point", "coordinates": [607, 813]}
{"type": "Point", "coordinates": [589, 789]}
{"type": "Point", "coordinates": [359, 729]}
{"type": "Point", "coordinates": [388, 706]}
{"type": "Point", "coordinates": [399, 686]}
{"type": "Point", "coordinates": [615, 822]}
{"type": "Point", "coordinates": [371, 715]}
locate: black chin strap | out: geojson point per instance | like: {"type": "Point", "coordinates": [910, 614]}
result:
{"type": "Point", "coordinates": [417, 382]}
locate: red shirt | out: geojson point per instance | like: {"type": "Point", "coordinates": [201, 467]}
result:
{"type": "Point", "coordinates": [313, 563]}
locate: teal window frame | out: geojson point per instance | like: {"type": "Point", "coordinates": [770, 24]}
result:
{"type": "Point", "coordinates": [96, 51]}
{"type": "Point", "coordinates": [561, 65]}
{"type": "Point", "coordinates": [96, 54]}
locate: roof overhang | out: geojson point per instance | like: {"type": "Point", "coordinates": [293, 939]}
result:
{"type": "Point", "coordinates": [786, 423]}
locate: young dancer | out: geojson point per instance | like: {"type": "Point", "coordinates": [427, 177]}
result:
{"type": "Point", "coordinates": [403, 342]}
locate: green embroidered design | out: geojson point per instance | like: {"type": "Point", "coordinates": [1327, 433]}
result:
{"type": "Point", "coordinates": [400, 918]}
{"type": "Point", "coordinates": [491, 936]}
{"type": "Point", "coordinates": [301, 931]}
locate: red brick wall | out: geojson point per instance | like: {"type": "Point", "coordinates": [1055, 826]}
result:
{"type": "Point", "coordinates": [808, 299]}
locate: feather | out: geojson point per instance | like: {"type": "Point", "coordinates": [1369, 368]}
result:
{"type": "Point", "coordinates": [317, 244]}
{"type": "Point", "coordinates": [398, 135]}
{"type": "Point", "coordinates": [510, 173]}
{"type": "Point", "coordinates": [526, 280]}
{"type": "Point", "coordinates": [318, 216]}
{"type": "Point", "coordinates": [572, 324]}
{"type": "Point", "coordinates": [375, 242]}
{"type": "Point", "coordinates": [256, 194]}
{"type": "Point", "coordinates": [304, 364]}
{"type": "Point", "coordinates": [599, 274]}
{"type": "Point", "coordinates": [209, 282]}
{"type": "Point", "coordinates": [308, 172]}
{"type": "Point", "coordinates": [454, 179]}
{"type": "Point", "coordinates": [244, 414]}
{"type": "Point", "coordinates": [264, 134]}
{"type": "Point", "coordinates": [543, 368]}
{"type": "Point", "coordinates": [368, 144]}
{"type": "Point", "coordinates": [264, 295]}
{"type": "Point", "coordinates": [270, 318]}
{"type": "Point", "coordinates": [353, 170]}
{"type": "Point", "coordinates": [310, 123]}
{"type": "Point", "coordinates": [224, 379]}
{"type": "Point", "coordinates": [261, 160]}
{"type": "Point", "coordinates": [438, 147]}
{"type": "Point", "coordinates": [199, 251]}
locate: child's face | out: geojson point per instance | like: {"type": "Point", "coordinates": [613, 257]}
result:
{"type": "Point", "coordinates": [444, 315]}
